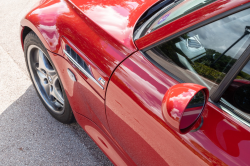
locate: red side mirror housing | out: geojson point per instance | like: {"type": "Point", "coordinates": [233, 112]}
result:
{"type": "Point", "coordinates": [183, 105]}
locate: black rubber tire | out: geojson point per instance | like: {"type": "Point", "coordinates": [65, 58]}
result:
{"type": "Point", "coordinates": [67, 116]}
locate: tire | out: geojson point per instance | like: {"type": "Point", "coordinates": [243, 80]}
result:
{"type": "Point", "coordinates": [46, 80]}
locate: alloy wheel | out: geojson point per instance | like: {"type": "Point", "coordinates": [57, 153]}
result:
{"type": "Point", "coordinates": [45, 79]}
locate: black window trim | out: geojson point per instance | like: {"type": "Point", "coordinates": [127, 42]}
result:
{"type": "Point", "coordinates": [141, 30]}
{"type": "Point", "coordinates": [230, 76]}
{"type": "Point", "coordinates": [201, 24]}
{"type": "Point", "coordinates": [215, 97]}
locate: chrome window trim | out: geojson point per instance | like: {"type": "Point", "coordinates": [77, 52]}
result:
{"type": "Point", "coordinates": [231, 113]}
{"type": "Point", "coordinates": [82, 70]}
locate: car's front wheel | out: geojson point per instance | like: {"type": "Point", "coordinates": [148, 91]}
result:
{"type": "Point", "coordinates": [46, 80]}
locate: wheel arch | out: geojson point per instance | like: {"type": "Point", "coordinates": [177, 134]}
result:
{"type": "Point", "coordinates": [43, 20]}
{"type": "Point", "coordinates": [26, 27]}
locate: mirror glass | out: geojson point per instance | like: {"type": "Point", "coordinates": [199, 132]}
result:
{"type": "Point", "coordinates": [193, 110]}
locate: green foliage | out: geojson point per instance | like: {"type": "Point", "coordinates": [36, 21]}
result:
{"type": "Point", "coordinates": [203, 66]}
{"type": "Point", "coordinates": [208, 72]}
{"type": "Point", "coordinates": [243, 75]}
{"type": "Point", "coordinates": [224, 64]}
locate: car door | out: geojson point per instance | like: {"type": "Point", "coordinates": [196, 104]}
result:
{"type": "Point", "coordinates": [213, 53]}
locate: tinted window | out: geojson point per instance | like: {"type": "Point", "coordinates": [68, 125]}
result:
{"type": "Point", "coordinates": [238, 93]}
{"type": "Point", "coordinates": [173, 12]}
{"type": "Point", "coordinates": [205, 55]}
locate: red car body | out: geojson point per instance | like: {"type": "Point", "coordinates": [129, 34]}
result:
{"type": "Point", "coordinates": [125, 118]}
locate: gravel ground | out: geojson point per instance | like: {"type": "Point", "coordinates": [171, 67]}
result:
{"type": "Point", "coordinates": [28, 134]}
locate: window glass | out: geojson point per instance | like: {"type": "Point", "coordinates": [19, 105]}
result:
{"type": "Point", "coordinates": [175, 11]}
{"type": "Point", "coordinates": [204, 56]}
{"type": "Point", "coordinates": [238, 93]}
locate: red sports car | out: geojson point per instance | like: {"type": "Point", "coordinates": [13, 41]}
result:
{"type": "Point", "coordinates": [152, 82]}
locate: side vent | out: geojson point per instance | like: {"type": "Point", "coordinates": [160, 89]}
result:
{"type": "Point", "coordinates": [77, 58]}
{"type": "Point", "coordinates": [79, 63]}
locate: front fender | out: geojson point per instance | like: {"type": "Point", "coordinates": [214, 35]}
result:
{"type": "Point", "coordinates": [27, 24]}
{"type": "Point", "coordinates": [43, 19]}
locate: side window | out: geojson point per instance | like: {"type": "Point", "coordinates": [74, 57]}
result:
{"type": "Point", "coordinates": [173, 10]}
{"type": "Point", "coordinates": [238, 93]}
{"type": "Point", "coordinates": [178, 9]}
{"type": "Point", "coordinates": [204, 56]}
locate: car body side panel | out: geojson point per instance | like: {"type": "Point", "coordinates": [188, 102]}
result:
{"type": "Point", "coordinates": [116, 17]}
{"type": "Point", "coordinates": [136, 89]}
{"type": "Point", "coordinates": [209, 11]}
{"type": "Point", "coordinates": [95, 71]}
{"type": "Point", "coordinates": [57, 19]}
{"type": "Point", "coordinates": [53, 19]}
{"type": "Point", "coordinates": [105, 143]}
{"type": "Point", "coordinates": [27, 23]}
{"type": "Point", "coordinates": [134, 100]}
{"type": "Point", "coordinates": [82, 97]}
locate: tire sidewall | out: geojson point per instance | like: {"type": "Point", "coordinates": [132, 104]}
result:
{"type": "Point", "coordinates": [67, 115]}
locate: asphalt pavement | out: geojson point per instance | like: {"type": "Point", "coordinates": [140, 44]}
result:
{"type": "Point", "coordinates": [29, 135]}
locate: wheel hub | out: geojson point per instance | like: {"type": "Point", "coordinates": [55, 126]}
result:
{"type": "Point", "coordinates": [45, 79]}
{"type": "Point", "coordinates": [49, 79]}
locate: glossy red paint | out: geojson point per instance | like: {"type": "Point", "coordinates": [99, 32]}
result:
{"type": "Point", "coordinates": [82, 97]}
{"type": "Point", "coordinates": [53, 19]}
{"type": "Point", "coordinates": [104, 142]}
{"type": "Point", "coordinates": [117, 17]}
{"type": "Point", "coordinates": [96, 72]}
{"type": "Point", "coordinates": [127, 121]}
{"type": "Point", "coordinates": [134, 100]}
{"type": "Point", "coordinates": [174, 106]}
{"type": "Point", "coordinates": [209, 11]}
{"type": "Point", "coordinates": [27, 23]}
{"type": "Point", "coordinates": [222, 137]}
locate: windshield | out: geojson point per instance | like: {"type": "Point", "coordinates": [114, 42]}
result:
{"type": "Point", "coordinates": [172, 12]}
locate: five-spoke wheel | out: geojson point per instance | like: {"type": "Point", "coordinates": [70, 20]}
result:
{"type": "Point", "coordinates": [45, 79]}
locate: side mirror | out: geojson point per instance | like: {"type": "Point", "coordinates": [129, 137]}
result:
{"type": "Point", "coordinates": [183, 104]}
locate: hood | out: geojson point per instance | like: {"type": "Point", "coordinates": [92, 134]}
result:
{"type": "Point", "coordinates": [116, 17]}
